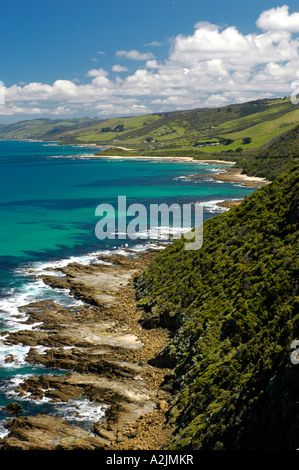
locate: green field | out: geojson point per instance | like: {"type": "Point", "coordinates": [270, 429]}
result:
{"type": "Point", "coordinates": [209, 130]}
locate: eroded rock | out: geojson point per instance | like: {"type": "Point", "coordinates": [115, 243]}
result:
{"type": "Point", "coordinates": [42, 432]}
{"type": "Point", "coordinates": [106, 352]}
{"type": "Point", "coordinates": [12, 408]}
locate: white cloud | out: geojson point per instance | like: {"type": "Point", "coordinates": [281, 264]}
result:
{"type": "Point", "coordinates": [97, 73]}
{"type": "Point", "coordinates": [135, 55]}
{"type": "Point", "coordinates": [11, 110]}
{"type": "Point", "coordinates": [279, 19]}
{"type": "Point", "coordinates": [154, 43]}
{"type": "Point", "coordinates": [231, 46]}
{"type": "Point", "coordinates": [210, 67]}
{"type": "Point", "coordinates": [122, 107]}
{"type": "Point", "coordinates": [61, 110]}
{"type": "Point", "coordinates": [119, 68]}
{"type": "Point", "coordinates": [152, 64]}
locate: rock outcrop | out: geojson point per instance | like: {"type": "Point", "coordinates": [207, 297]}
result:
{"type": "Point", "coordinates": [106, 356]}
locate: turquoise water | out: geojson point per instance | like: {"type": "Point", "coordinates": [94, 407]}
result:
{"type": "Point", "coordinates": [49, 194]}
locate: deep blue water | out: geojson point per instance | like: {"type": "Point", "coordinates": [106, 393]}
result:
{"type": "Point", "coordinates": [48, 201]}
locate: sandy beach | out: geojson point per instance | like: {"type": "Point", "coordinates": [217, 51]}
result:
{"type": "Point", "coordinates": [165, 159]}
{"type": "Point", "coordinates": [143, 157]}
{"type": "Point", "coordinates": [233, 175]}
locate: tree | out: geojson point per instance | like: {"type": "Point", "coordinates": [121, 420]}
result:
{"type": "Point", "coordinates": [119, 128]}
{"type": "Point", "coordinates": [224, 141]}
{"type": "Point", "coordinates": [247, 140]}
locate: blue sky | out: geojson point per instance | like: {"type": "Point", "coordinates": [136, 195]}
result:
{"type": "Point", "coordinates": [69, 58]}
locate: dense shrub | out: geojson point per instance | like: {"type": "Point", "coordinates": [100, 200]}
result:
{"type": "Point", "coordinates": [233, 306]}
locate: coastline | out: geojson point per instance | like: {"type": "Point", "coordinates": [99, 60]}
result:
{"type": "Point", "coordinates": [165, 159]}
{"type": "Point", "coordinates": [106, 354]}
{"type": "Point", "coordinates": [233, 175]}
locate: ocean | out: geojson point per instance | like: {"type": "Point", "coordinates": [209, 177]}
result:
{"type": "Point", "coordinates": [49, 195]}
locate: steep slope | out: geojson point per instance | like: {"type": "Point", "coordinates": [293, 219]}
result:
{"type": "Point", "coordinates": [280, 154]}
{"type": "Point", "coordinates": [233, 310]}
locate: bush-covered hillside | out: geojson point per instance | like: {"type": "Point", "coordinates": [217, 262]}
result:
{"type": "Point", "coordinates": [233, 310]}
{"type": "Point", "coordinates": [280, 154]}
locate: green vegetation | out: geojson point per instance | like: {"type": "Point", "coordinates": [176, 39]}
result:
{"type": "Point", "coordinates": [43, 129]}
{"type": "Point", "coordinates": [233, 309]}
{"type": "Point", "coordinates": [199, 132]}
{"type": "Point", "coordinates": [260, 136]}
{"type": "Point", "coordinates": [232, 306]}
{"type": "Point", "coordinates": [280, 154]}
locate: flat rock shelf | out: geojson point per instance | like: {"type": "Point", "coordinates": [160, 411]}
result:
{"type": "Point", "coordinates": [106, 355]}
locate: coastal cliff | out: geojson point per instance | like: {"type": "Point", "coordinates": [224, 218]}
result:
{"type": "Point", "coordinates": [233, 309]}
{"type": "Point", "coordinates": [176, 349]}
{"type": "Point", "coordinates": [200, 360]}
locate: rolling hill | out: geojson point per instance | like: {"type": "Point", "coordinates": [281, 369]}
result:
{"type": "Point", "coordinates": [208, 130]}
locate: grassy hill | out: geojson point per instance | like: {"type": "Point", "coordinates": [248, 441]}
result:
{"type": "Point", "coordinates": [233, 309]}
{"type": "Point", "coordinates": [43, 129]}
{"type": "Point", "coordinates": [260, 136]}
{"type": "Point", "coordinates": [205, 131]}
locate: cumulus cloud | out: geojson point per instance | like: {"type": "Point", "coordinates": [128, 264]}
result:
{"type": "Point", "coordinates": [97, 73]}
{"type": "Point", "coordinates": [8, 110]}
{"type": "Point", "coordinates": [152, 64]}
{"type": "Point", "coordinates": [279, 19]}
{"type": "Point", "coordinates": [209, 42]}
{"type": "Point", "coordinates": [119, 68]}
{"type": "Point", "coordinates": [213, 66]}
{"type": "Point", "coordinates": [121, 106]}
{"type": "Point", "coordinates": [59, 110]}
{"type": "Point", "coordinates": [135, 55]}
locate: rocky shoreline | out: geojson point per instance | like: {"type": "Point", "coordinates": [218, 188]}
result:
{"type": "Point", "coordinates": [235, 175]}
{"type": "Point", "coordinates": [107, 357]}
